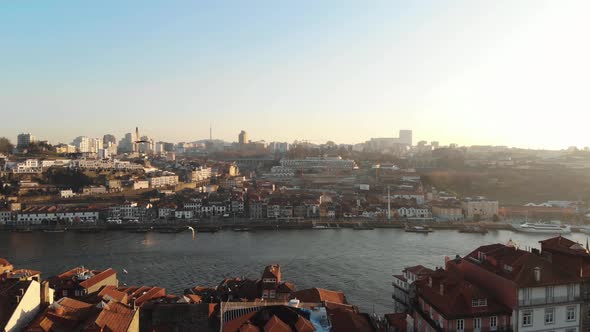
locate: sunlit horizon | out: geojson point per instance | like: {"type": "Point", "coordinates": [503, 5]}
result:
{"type": "Point", "coordinates": [512, 73]}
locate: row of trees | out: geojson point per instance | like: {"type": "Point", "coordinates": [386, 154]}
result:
{"type": "Point", "coordinates": [5, 145]}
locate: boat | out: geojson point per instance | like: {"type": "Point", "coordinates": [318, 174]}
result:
{"type": "Point", "coordinates": [544, 228]}
{"type": "Point", "coordinates": [241, 229]}
{"type": "Point", "coordinates": [473, 229]}
{"type": "Point", "coordinates": [418, 229]}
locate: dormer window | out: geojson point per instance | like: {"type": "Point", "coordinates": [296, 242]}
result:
{"type": "Point", "coordinates": [481, 256]}
{"type": "Point", "coordinates": [479, 303]}
{"type": "Point", "coordinates": [507, 268]}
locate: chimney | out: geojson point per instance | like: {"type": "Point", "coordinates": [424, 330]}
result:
{"type": "Point", "coordinates": [537, 273]}
{"type": "Point", "coordinates": [46, 299]}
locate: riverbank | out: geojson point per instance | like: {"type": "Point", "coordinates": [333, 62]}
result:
{"type": "Point", "coordinates": [207, 226]}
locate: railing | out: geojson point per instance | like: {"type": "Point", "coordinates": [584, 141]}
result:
{"type": "Point", "coordinates": [551, 300]}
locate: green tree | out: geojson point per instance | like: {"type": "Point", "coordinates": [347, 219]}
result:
{"type": "Point", "coordinates": [5, 145]}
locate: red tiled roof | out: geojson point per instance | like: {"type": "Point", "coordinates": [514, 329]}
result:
{"type": "Point", "coordinates": [194, 298]}
{"type": "Point", "coordinates": [418, 270]}
{"type": "Point", "coordinates": [304, 325]}
{"type": "Point", "coordinates": [4, 262]}
{"type": "Point", "coordinates": [455, 301]}
{"type": "Point", "coordinates": [111, 293]}
{"type": "Point", "coordinates": [153, 293]}
{"type": "Point", "coordinates": [115, 317]}
{"type": "Point", "coordinates": [346, 319]}
{"type": "Point", "coordinates": [317, 295]}
{"type": "Point", "coordinates": [564, 245]}
{"type": "Point", "coordinates": [235, 324]}
{"type": "Point", "coordinates": [522, 264]}
{"type": "Point", "coordinates": [274, 324]}
{"type": "Point", "coordinates": [249, 327]}
{"type": "Point", "coordinates": [98, 278]}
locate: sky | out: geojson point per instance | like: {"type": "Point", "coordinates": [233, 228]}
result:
{"type": "Point", "coordinates": [469, 72]}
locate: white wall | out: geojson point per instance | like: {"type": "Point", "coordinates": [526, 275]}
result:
{"type": "Point", "coordinates": [27, 308]}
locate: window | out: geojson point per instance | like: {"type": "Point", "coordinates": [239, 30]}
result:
{"type": "Point", "coordinates": [526, 295]}
{"type": "Point", "coordinates": [570, 314]}
{"type": "Point", "coordinates": [477, 323]}
{"type": "Point", "coordinates": [549, 316]}
{"type": "Point", "coordinates": [527, 318]}
{"type": "Point", "coordinates": [479, 302]}
{"type": "Point", "coordinates": [460, 324]}
{"type": "Point", "coordinates": [493, 323]}
{"type": "Point", "coordinates": [570, 291]}
{"type": "Point", "coordinates": [507, 268]}
{"type": "Point", "coordinates": [549, 294]}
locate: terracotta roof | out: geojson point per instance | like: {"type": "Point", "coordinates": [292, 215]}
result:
{"type": "Point", "coordinates": [418, 270]}
{"type": "Point", "coordinates": [522, 265]}
{"type": "Point", "coordinates": [317, 295]}
{"type": "Point", "coordinates": [66, 314]}
{"type": "Point", "coordinates": [564, 245]}
{"type": "Point", "coordinates": [234, 324]}
{"type": "Point", "coordinates": [194, 298]}
{"type": "Point", "coordinates": [4, 262]}
{"type": "Point", "coordinates": [274, 324]}
{"type": "Point", "coordinates": [304, 325]}
{"type": "Point", "coordinates": [455, 301]}
{"type": "Point", "coordinates": [115, 317]}
{"type": "Point", "coordinates": [249, 327]}
{"type": "Point", "coordinates": [111, 293]}
{"type": "Point", "coordinates": [153, 293]}
{"type": "Point", "coordinates": [98, 278]}
{"type": "Point", "coordinates": [346, 319]}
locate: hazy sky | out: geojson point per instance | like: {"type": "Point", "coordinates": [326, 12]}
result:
{"type": "Point", "coordinates": [471, 72]}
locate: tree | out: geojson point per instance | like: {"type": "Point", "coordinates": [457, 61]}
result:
{"type": "Point", "coordinates": [5, 145]}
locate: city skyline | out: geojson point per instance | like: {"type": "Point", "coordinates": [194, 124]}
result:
{"type": "Point", "coordinates": [502, 73]}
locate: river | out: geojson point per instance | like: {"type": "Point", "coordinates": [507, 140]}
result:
{"type": "Point", "coordinates": [360, 263]}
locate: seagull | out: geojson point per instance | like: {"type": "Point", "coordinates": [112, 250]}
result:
{"type": "Point", "coordinates": [125, 271]}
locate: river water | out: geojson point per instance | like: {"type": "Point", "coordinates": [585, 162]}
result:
{"type": "Point", "coordinates": [360, 263]}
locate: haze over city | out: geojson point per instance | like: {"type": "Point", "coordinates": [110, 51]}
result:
{"type": "Point", "coordinates": [503, 72]}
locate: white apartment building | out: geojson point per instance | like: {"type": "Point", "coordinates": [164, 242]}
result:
{"type": "Point", "coordinates": [201, 173]}
{"type": "Point", "coordinates": [414, 212]}
{"type": "Point", "coordinates": [163, 181]}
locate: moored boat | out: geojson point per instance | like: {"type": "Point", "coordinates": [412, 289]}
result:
{"type": "Point", "coordinates": [543, 228]}
{"type": "Point", "coordinates": [241, 229]}
{"type": "Point", "coordinates": [418, 229]}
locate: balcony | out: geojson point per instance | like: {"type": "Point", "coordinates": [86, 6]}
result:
{"type": "Point", "coordinates": [553, 300]}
